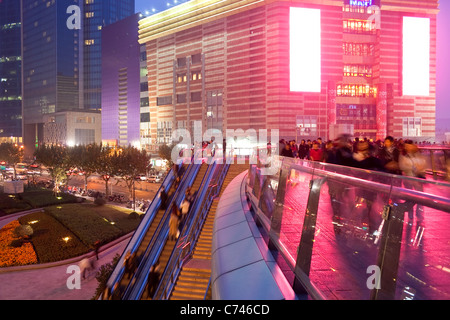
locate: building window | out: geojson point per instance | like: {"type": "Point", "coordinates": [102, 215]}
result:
{"type": "Point", "coordinates": [196, 58]}
{"type": "Point", "coordinates": [144, 86]}
{"type": "Point", "coordinates": [181, 62]}
{"type": "Point", "coordinates": [196, 96]}
{"type": "Point", "coordinates": [84, 136]}
{"type": "Point", "coordinates": [181, 78]}
{"type": "Point", "coordinates": [356, 90]}
{"type": "Point", "coordinates": [145, 117]}
{"type": "Point", "coordinates": [144, 102]}
{"type": "Point", "coordinates": [196, 75]}
{"type": "Point", "coordinates": [89, 42]}
{"type": "Point", "coordinates": [163, 101]}
{"type": "Point", "coordinates": [354, 70]}
{"type": "Point", "coordinates": [181, 98]}
{"type": "Point", "coordinates": [359, 26]}
{"type": "Point", "coordinates": [306, 126]}
{"type": "Point", "coordinates": [412, 127]}
{"type": "Point", "coordinates": [358, 49]}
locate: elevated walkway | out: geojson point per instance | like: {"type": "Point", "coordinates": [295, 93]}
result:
{"type": "Point", "coordinates": [242, 266]}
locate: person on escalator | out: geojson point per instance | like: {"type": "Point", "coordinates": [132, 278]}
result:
{"type": "Point", "coordinates": [153, 279]}
{"type": "Point", "coordinates": [173, 223]}
{"type": "Point", "coordinates": [164, 197]}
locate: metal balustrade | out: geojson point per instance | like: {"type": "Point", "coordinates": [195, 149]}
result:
{"type": "Point", "coordinates": [347, 233]}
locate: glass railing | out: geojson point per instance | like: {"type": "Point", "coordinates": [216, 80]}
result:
{"type": "Point", "coordinates": [349, 234]}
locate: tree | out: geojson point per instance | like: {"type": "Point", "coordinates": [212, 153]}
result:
{"type": "Point", "coordinates": [56, 159]}
{"type": "Point", "coordinates": [165, 152]}
{"type": "Point", "coordinates": [131, 162]}
{"type": "Point", "coordinates": [12, 154]}
{"type": "Point", "coordinates": [106, 164]}
{"type": "Point", "coordinates": [85, 158]}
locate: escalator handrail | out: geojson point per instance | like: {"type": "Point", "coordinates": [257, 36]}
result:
{"type": "Point", "coordinates": [157, 243]}
{"type": "Point", "coordinates": [142, 259]}
{"type": "Point", "coordinates": [190, 232]}
{"type": "Point", "coordinates": [143, 226]}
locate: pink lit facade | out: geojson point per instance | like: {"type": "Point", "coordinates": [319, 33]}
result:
{"type": "Point", "coordinates": [303, 68]}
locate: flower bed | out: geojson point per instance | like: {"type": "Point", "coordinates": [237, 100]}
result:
{"type": "Point", "coordinates": [14, 256]}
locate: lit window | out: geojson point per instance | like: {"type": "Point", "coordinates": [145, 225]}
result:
{"type": "Point", "coordinates": [89, 42]}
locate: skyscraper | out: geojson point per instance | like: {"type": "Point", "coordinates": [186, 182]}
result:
{"type": "Point", "coordinates": [62, 57]}
{"type": "Point", "coordinates": [51, 65]}
{"type": "Point", "coordinates": [98, 14]}
{"type": "Point", "coordinates": [10, 72]}
{"type": "Point", "coordinates": [306, 68]}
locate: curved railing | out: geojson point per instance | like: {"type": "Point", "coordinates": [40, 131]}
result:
{"type": "Point", "coordinates": [348, 233]}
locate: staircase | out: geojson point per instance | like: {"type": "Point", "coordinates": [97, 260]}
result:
{"type": "Point", "coordinates": [193, 280]}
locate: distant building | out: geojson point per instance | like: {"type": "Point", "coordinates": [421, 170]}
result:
{"type": "Point", "coordinates": [10, 72]}
{"type": "Point", "coordinates": [62, 63]}
{"type": "Point", "coordinates": [121, 98]}
{"type": "Point", "coordinates": [72, 128]}
{"type": "Point", "coordinates": [306, 68]}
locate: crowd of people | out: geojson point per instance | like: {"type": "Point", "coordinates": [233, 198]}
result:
{"type": "Point", "coordinates": [395, 156]}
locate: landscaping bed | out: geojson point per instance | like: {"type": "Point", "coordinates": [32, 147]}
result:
{"type": "Point", "coordinates": [66, 231]}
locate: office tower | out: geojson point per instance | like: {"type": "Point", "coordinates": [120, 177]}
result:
{"type": "Point", "coordinates": [10, 72]}
{"type": "Point", "coordinates": [62, 58]}
{"type": "Point", "coordinates": [121, 83]}
{"type": "Point", "coordinates": [307, 68]}
{"type": "Point", "coordinates": [98, 14]}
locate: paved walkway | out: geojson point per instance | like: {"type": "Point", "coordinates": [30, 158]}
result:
{"type": "Point", "coordinates": [49, 281]}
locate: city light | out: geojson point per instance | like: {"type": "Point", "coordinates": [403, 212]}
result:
{"type": "Point", "coordinates": [416, 56]}
{"type": "Point", "coordinates": [305, 50]}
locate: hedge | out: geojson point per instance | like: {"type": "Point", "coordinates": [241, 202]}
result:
{"type": "Point", "coordinates": [48, 239]}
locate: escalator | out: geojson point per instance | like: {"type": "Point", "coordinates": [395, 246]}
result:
{"type": "Point", "coordinates": [193, 280]}
{"type": "Point", "coordinates": [169, 245]}
{"type": "Point", "coordinates": [119, 281]}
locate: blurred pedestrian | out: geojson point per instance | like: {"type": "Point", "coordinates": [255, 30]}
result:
{"type": "Point", "coordinates": [153, 279]}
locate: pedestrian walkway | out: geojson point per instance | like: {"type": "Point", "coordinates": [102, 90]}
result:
{"type": "Point", "coordinates": [49, 281]}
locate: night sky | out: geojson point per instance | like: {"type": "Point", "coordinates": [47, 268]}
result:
{"type": "Point", "coordinates": [443, 40]}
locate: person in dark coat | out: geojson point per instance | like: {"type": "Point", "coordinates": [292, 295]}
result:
{"type": "Point", "coordinates": [153, 279]}
{"type": "Point", "coordinates": [164, 197]}
{"type": "Point", "coordinates": [287, 152]}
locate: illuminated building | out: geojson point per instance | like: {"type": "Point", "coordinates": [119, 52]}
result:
{"type": "Point", "coordinates": [61, 60]}
{"type": "Point", "coordinates": [121, 83]}
{"type": "Point", "coordinates": [10, 72]}
{"type": "Point", "coordinates": [306, 68]}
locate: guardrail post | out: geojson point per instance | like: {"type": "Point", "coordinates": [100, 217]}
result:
{"type": "Point", "coordinates": [389, 252]}
{"type": "Point", "coordinates": [304, 255]}
{"type": "Point", "coordinates": [275, 226]}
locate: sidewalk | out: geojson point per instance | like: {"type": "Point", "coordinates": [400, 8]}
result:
{"type": "Point", "coordinates": [49, 281]}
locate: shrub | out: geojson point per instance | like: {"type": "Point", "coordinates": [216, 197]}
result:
{"type": "Point", "coordinates": [133, 215]}
{"type": "Point", "coordinates": [99, 201]}
{"type": "Point", "coordinates": [23, 231]}
{"type": "Point", "coordinates": [103, 274]}
{"type": "Point", "coordinates": [44, 198]}
{"type": "Point", "coordinates": [86, 224]}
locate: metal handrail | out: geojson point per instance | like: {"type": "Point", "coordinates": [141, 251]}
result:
{"type": "Point", "coordinates": [140, 232]}
{"type": "Point", "coordinates": [157, 243]}
{"type": "Point", "coordinates": [321, 172]}
{"type": "Point", "coordinates": [191, 232]}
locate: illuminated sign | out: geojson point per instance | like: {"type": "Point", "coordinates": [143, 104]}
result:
{"type": "Point", "coordinates": [416, 56]}
{"type": "Point", "coordinates": [305, 50]}
{"type": "Point", "coordinates": [363, 3]}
